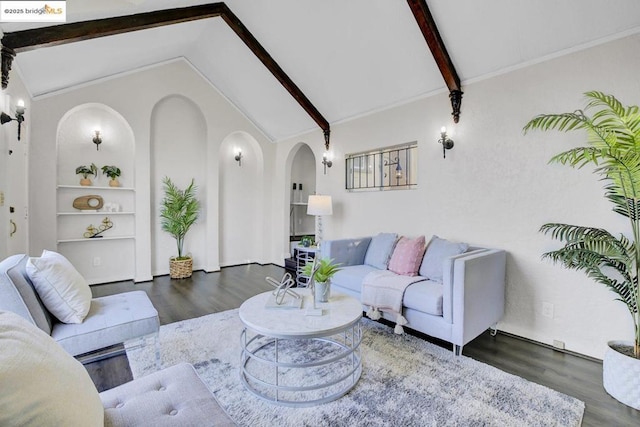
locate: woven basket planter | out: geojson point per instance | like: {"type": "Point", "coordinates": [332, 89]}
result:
{"type": "Point", "coordinates": [621, 375]}
{"type": "Point", "coordinates": [180, 269]}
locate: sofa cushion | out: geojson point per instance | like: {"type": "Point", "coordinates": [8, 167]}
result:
{"type": "Point", "coordinates": [351, 277]}
{"type": "Point", "coordinates": [18, 295]}
{"type": "Point", "coordinates": [41, 384]}
{"type": "Point", "coordinates": [437, 251]}
{"type": "Point", "coordinates": [424, 296]}
{"type": "Point", "coordinates": [380, 250]}
{"type": "Point", "coordinates": [62, 289]}
{"type": "Point", "coordinates": [113, 319]}
{"type": "Point", "coordinates": [407, 256]}
{"type": "Point", "coordinates": [175, 396]}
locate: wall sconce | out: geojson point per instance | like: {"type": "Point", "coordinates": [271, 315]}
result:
{"type": "Point", "coordinates": [238, 156]}
{"type": "Point", "coordinates": [97, 139]}
{"type": "Point", "coordinates": [326, 162]}
{"type": "Point", "coordinates": [447, 143]}
{"type": "Point", "coordinates": [5, 118]}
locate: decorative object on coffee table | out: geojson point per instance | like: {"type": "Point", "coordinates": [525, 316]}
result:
{"type": "Point", "coordinates": [613, 136]}
{"type": "Point", "coordinates": [179, 211]}
{"type": "Point", "coordinates": [321, 271]}
{"type": "Point", "coordinates": [85, 171]}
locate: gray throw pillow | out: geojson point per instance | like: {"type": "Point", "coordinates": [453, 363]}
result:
{"type": "Point", "coordinates": [437, 251]}
{"type": "Point", "coordinates": [380, 250]}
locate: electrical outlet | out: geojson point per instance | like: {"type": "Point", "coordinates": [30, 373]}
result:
{"type": "Point", "coordinates": [558, 344]}
{"type": "Point", "coordinates": [97, 261]}
{"type": "Point", "coordinates": [547, 310]}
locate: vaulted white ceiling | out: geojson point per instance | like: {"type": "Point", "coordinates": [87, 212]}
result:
{"type": "Point", "coordinates": [349, 57]}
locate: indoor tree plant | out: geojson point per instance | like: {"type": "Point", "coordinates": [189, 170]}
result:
{"type": "Point", "coordinates": [85, 171]}
{"type": "Point", "coordinates": [113, 172]}
{"type": "Point", "coordinates": [322, 271]}
{"type": "Point", "coordinates": [179, 211]}
{"type": "Point", "coordinates": [613, 136]}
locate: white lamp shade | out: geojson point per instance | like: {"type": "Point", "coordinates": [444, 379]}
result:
{"type": "Point", "coordinates": [319, 205]}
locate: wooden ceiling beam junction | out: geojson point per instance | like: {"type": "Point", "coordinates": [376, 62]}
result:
{"type": "Point", "coordinates": [22, 41]}
{"type": "Point", "coordinates": [439, 51]}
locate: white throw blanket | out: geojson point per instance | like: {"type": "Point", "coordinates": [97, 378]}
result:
{"type": "Point", "coordinates": [383, 290]}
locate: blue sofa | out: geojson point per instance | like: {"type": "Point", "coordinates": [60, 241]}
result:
{"type": "Point", "coordinates": [462, 300]}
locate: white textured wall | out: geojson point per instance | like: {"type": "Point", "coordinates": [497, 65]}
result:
{"type": "Point", "coordinates": [495, 187]}
{"type": "Point", "coordinates": [134, 96]}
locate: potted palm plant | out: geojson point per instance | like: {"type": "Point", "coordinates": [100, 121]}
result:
{"type": "Point", "coordinates": [322, 271]}
{"type": "Point", "coordinates": [613, 136]}
{"type": "Point", "coordinates": [113, 172]}
{"type": "Point", "coordinates": [85, 171]}
{"type": "Point", "coordinates": [179, 211]}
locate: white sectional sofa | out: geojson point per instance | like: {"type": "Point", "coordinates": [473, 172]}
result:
{"type": "Point", "coordinates": [463, 298]}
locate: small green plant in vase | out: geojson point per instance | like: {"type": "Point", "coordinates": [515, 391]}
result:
{"type": "Point", "coordinates": [85, 171]}
{"type": "Point", "coordinates": [322, 271]}
{"type": "Point", "coordinates": [113, 172]}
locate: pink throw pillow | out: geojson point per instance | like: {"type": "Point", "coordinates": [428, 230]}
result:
{"type": "Point", "coordinates": [407, 256]}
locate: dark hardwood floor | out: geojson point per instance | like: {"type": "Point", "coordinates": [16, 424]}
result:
{"type": "Point", "coordinates": [206, 293]}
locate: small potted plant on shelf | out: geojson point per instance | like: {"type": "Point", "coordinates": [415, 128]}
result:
{"type": "Point", "coordinates": [113, 172]}
{"type": "Point", "coordinates": [306, 241]}
{"type": "Point", "coordinates": [85, 171]}
{"type": "Point", "coordinates": [179, 211]}
{"type": "Point", "coordinates": [324, 268]}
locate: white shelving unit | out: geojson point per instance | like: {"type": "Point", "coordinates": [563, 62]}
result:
{"type": "Point", "coordinates": [300, 220]}
{"type": "Point", "coordinates": [100, 259]}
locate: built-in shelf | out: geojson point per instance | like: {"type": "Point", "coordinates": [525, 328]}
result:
{"type": "Point", "coordinates": [89, 187]}
{"type": "Point", "coordinates": [94, 213]}
{"type": "Point", "coordinates": [95, 239]}
{"type": "Point", "coordinates": [299, 204]}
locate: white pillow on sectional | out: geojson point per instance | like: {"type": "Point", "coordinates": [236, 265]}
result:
{"type": "Point", "coordinates": [61, 288]}
{"type": "Point", "coordinates": [41, 384]}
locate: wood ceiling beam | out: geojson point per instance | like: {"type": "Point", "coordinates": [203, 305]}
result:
{"type": "Point", "coordinates": [22, 41]}
{"type": "Point", "coordinates": [439, 51]}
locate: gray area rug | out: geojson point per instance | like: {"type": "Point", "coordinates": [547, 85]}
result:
{"type": "Point", "coordinates": [406, 381]}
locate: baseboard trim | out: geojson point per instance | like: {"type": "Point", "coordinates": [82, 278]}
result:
{"type": "Point", "coordinates": [560, 350]}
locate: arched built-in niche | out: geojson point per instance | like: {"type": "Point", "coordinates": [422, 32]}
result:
{"type": "Point", "coordinates": [242, 200]}
{"type": "Point", "coordinates": [110, 256]}
{"type": "Point", "coordinates": [301, 169]}
{"type": "Point", "coordinates": [178, 151]}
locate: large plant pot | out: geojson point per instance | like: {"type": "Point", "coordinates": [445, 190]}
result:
{"type": "Point", "coordinates": [180, 268]}
{"type": "Point", "coordinates": [621, 374]}
{"type": "Point", "coordinates": [322, 291]}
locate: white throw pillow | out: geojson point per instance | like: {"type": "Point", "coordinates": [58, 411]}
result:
{"type": "Point", "coordinates": [41, 384]}
{"type": "Point", "coordinates": [61, 288]}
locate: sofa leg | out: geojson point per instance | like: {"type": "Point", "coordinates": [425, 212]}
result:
{"type": "Point", "coordinates": [457, 350]}
{"type": "Point", "coordinates": [494, 330]}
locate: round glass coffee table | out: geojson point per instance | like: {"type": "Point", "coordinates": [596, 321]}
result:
{"type": "Point", "coordinates": [291, 358]}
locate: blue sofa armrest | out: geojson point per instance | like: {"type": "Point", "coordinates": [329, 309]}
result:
{"type": "Point", "coordinates": [475, 294]}
{"type": "Point", "coordinates": [345, 251]}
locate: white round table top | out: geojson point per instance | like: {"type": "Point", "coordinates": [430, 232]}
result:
{"type": "Point", "coordinates": [341, 312]}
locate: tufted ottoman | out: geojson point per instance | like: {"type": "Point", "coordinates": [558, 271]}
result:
{"type": "Point", "coordinates": [174, 396]}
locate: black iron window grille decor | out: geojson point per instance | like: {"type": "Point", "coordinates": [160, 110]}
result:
{"type": "Point", "coordinates": [388, 168]}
